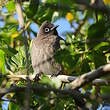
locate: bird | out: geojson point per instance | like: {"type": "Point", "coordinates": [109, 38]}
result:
{"type": "Point", "coordinates": [44, 47]}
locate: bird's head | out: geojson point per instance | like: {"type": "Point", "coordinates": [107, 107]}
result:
{"type": "Point", "coordinates": [47, 28]}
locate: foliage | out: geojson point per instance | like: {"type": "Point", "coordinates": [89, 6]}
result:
{"type": "Point", "coordinates": [85, 49]}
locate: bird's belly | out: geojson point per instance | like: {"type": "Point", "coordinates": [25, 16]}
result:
{"type": "Point", "coordinates": [49, 66]}
{"type": "Point", "coordinates": [48, 69]}
{"type": "Point", "coordinates": [44, 61]}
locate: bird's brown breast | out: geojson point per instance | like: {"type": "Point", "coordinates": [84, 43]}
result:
{"type": "Point", "coordinates": [43, 50]}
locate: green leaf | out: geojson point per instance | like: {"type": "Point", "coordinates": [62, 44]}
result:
{"type": "Point", "coordinates": [105, 90]}
{"type": "Point", "coordinates": [9, 51]}
{"type": "Point", "coordinates": [67, 58]}
{"type": "Point", "coordinates": [2, 61]}
{"type": "Point", "coordinates": [34, 6]}
{"type": "Point", "coordinates": [85, 66]}
{"type": "Point", "coordinates": [54, 82]}
{"type": "Point", "coordinates": [45, 80]}
{"type": "Point", "coordinates": [11, 6]}
{"type": "Point", "coordinates": [31, 9]}
{"type": "Point", "coordinates": [43, 14]}
{"type": "Point", "coordinates": [4, 38]}
{"type": "Point", "coordinates": [98, 58]}
{"type": "Point", "coordinates": [97, 30]}
{"type": "Point", "coordinates": [17, 62]}
{"type": "Point", "coordinates": [103, 45]}
{"type": "Point", "coordinates": [13, 106]}
{"type": "Point", "coordinates": [96, 33]}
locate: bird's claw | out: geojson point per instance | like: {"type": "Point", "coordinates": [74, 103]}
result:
{"type": "Point", "coordinates": [37, 77]}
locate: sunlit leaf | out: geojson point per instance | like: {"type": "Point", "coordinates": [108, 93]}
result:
{"type": "Point", "coordinates": [9, 51]}
{"type": "Point", "coordinates": [13, 106]}
{"type": "Point", "coordinates": [102, 44]}
{"type": "Point", "coordinates": [10, 6]}
{"type": "Point", "coordinates": [105, 90]}
{"type": "Point", "coordinates": [2, 61]}
{"type": "Point", "coordinates": [14, 35]}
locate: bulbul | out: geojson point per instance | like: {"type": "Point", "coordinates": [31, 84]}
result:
{"type": "Point", "coordinates": [44, 47]}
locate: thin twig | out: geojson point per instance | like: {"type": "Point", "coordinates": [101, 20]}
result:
{"type": "Point", "coordinates": [21, 23]}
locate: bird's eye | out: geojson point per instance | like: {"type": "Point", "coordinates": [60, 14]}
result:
{"type": "Point", "coordinates": [47, 29]}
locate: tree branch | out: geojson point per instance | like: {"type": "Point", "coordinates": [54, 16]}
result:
{"type": "Point", "coordinates": [76, 83]}
{"type": "Point", "coordinates": [99, 7]}
{"type": "Point", "coordinates": [89, 77]}
{"type": "Point", "coordinates": [83, 5]}
{"type": "Point", "coordinates": [62, 78]}
{"type": "Point", "coordinates": [74, 80]}
{"type": "Point", "coordinates": [77, 96]}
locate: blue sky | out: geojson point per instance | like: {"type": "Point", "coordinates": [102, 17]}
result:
{"type": "Point", "coordinates": [64, 26]}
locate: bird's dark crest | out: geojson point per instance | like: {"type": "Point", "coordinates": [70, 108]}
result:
{"type": "Point", "coordinates": [48, 28]}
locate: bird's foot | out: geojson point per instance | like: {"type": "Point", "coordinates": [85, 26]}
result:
{"type": "Point", "coordinates": [54, 75]}
{"type": "Point", "coordinates": [37, 77]}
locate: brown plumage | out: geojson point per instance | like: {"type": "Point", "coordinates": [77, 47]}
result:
{"type": "Point", "coordinates": [44, 47]}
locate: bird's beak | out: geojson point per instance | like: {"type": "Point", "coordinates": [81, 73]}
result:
{"type": "Point", "coordinates": [54, 27]}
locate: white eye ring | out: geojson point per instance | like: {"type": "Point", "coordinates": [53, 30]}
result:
{"type": "Point", "coordinates": [47, 29]}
